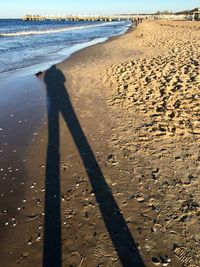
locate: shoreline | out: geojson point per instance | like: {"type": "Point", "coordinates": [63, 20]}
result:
{"type": "Point", "coordinates": [140, 159]}
{"type": "Point", "coordinates": [42, 67]}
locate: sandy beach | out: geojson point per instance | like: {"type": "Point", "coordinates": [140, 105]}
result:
{"type": "Point", "coordinates": [113, 172]}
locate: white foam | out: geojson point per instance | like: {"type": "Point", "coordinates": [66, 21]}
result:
{"type": "Point", "coordinates": [42, 66]}
{"type": "Point", "coordinates": [65, 29]}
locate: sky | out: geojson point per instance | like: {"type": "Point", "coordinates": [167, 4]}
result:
{"type": "Point", "coordinates": [19, 8]}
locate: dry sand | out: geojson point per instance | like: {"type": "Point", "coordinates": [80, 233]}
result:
{"type": "Point", "coordinates": [128, 171]}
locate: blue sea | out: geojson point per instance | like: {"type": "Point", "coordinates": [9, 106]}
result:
{"type": "Point", "coordinates": [37, 45]}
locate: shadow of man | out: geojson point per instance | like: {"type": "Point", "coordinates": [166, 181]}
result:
{"type": "Point", "coordinates": [58, 101]}
{"type": "Point", "coordinates": [52, 252]}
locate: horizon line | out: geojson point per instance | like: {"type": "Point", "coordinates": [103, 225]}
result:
{"type": "Point", "coordinates": [105, 14]}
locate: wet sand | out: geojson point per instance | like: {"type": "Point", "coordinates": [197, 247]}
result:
{"type": "Point", "coordinates": [112, 176]}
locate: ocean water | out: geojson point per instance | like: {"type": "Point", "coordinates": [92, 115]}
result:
{"type": "Point", "coordinates": [36, 45]}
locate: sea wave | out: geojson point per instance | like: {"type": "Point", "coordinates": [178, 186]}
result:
{"type": "Point", "coordinates": [49, 31]}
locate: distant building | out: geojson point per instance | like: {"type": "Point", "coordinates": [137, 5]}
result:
{"type": "Point", "coordinates": [196, 14]}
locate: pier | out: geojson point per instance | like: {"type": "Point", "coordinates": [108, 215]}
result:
{"type": "Point", "coordinates": [179, 16]}
{"type": "Point", "coordinates": [76, 18]}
